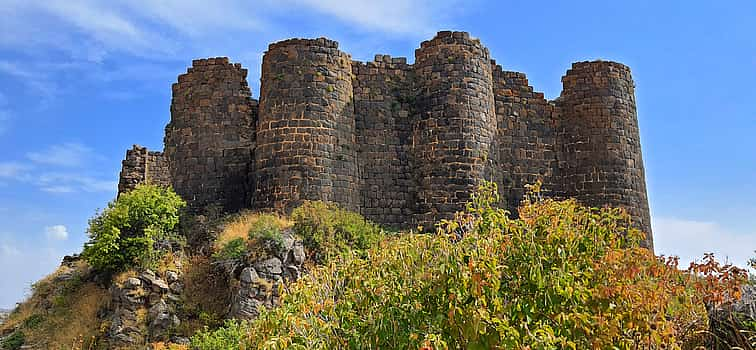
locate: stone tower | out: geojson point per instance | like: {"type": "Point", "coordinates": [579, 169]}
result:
{"type": "Point", "coordinates": [599, 141]}
{"type": "Point", "coordinates": [209, 140]}
{"type": "Point", "coordinates": [454, 122]}
{"type": "Point", "coordinates": [403, 144]}
{"type": "Point", "coordinates": [306, 146]}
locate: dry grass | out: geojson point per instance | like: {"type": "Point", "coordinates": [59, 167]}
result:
{"type": "Point", "coordinates": [60, 315]}
{"type": "Point", "coordinates": [206, 295]}
{"type": "Point", "coordinates": [76, 323]}
{"type": "Point", "coordinates": [168, 263]}
{"type": "Point", "coordinates": [168, 346]}
{"type": "Point", "coordinates": [239, 227]}
{"type": "Point", "coordinates": [120, 278]}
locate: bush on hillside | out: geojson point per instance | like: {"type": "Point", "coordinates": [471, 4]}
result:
{"type": "Point", "coordinates": [232, 250]}
{"type": "Point", "coordinates": [251, 235]}
{"type": "Point", "coordinates": [562, 276]}
{"type": "Point", "coordinates": [328, 231]}
{"type": "Point", "coordinates": [13, 342]}
{"type": "Point", "coordinates": [230, 336]}
{"type": "Point", "coordinates": [123, 235]}
{"type": "Point", "coordinates": [266, 233]}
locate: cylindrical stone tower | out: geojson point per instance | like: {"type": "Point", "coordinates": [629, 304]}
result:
{"type": "Point", "coordinates": [600, 152]}
{"type": "Point", "coordinates": [210, 138]}
{"type": "Point", "coordinates": [306, 131]}
{"type": "Point", "coordinates": [454, 122]}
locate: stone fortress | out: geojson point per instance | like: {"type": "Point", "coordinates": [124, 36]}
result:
{"type": "Point", "coordinates": [402, 144]}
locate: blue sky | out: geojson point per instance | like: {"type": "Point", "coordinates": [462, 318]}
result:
{"type": "Point", "coordinates": [81, 81]}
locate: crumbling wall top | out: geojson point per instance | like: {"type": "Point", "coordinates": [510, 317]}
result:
{"type": "Point", "coordinates": [324, 42]}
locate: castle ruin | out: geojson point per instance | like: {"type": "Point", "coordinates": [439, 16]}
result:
{"type": "Point", "coordinates": [402, 144]}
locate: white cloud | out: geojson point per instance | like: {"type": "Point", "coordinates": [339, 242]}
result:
{"type": "Point", "coordinates": [58, 189]}
{"type": "Point", "coordinates": [56, 232]}
{"type": "Point", "coordinates": [391, 16]}
{"type": "Point", "coordinates": [690, 239]}
{"type": "Point", "coordinates": [69, 183]}
{"type": "Point", "coordinates": [12, 169]}
{"type": "Point", "coordinates": [194, 17]}
{"type": "Point", "coordinates": [67, 154]}
{"type": "Point", "coordinates": [35, 80]}
{"type": "Point", "coordinates": [159, 29]}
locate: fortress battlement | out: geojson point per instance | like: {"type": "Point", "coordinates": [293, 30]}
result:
{"type": "Point", "coordinates": [403, 144]}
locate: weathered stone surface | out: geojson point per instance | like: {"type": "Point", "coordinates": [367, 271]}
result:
{"type": "Point", "coordinates": [248, 275]}
{"type": "Point", "coordinates": [403, 144]}
{"type": "Point", "coordinates": [171, 276]}
{"type": "Point", "coordinates": [260, 282]}
{"type": "Point", "coordinates": [306, 128]}
{"type": "Point", "coordinates": [269, 268]}
{"type": "Point", "coordinates": [157, 284]}
{"type": "Point", "coordinates": [143, 166]}
{"type": "Point", "coordinates": [598, 141]}
{"type": "Point", "coordinates": [150, 295]}
{"type": "Point", "coordinates": [210, 139]}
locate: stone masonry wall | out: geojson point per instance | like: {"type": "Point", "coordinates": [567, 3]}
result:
{"type": "Point", "coordinates": [454, 122]}
{"type": "Point", "coordinates": [525, 137]}
{"type": "Point", "coordinates": [142, 166]}
{"type": "Point", "coordinates": [383, 103]}
{"type": "Point", "coordinates": [403, 144]}
{"type": "Point", "coordinates": [306, 145]}
{"type": "Point", "coordinates": [599, 142]}
{"type": "Point", "coordinates": [210, 139]}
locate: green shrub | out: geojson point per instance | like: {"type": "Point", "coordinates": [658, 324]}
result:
{"type": "Point", "coordinates": [33, 321]}
{"type": "Point", "coordinates": [328, 231]}
{"type": "Point", "coordinates": [123, 234]}
{"type": "Point", "coordinates": [562, 276]}
{"type": "Point", "coordinates": [232, 250]}
{"type": "Point", "coordinates": [14, 341]}
{"type": "Point", "coordinates": [230, 336]}
{"type": "Point", "coordinates": [266, 233]}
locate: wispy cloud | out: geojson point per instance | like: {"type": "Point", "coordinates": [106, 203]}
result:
{"type": "Point", "coordinates": [59, 169]}
{"type": "Point", "coordinates": [690, 239]}
{"type": "Point", "coordinates": [73, 182]}
{"type": "Point", "coordinates": [153, 29]}
{"type": "Point", "coordinates": [12, 169]}
{"type": "Point", "coordinates": [56, 232]}
{"type": "Point", "coordinates": [67, 154]}
{"type": "Point", "coordinates": [58, 189]}
{"type": "Point", "coordinates": [36, 81]}
{"type": "Point", "coordinates": [416, 17]}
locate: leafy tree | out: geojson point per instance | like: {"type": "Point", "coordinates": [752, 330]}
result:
{"type": "Point", "coordinates": [123, 235]}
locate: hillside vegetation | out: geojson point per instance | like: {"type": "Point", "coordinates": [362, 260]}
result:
{"type": "Point", "coordinates": [561, 276]}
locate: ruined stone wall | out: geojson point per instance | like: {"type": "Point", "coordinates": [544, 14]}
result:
{"type": "Point", "coordinates": [403, 144]}
{"type": "Point", "coordinates": [525, 138]}
{"type": "Point", "coordinates": [383, 102]}
{"type": "Point", "coordinates": [454, 122]}
{"type": "Point", "coordinates": [306, 145]}
{"type": "Point", "coordinates": [142, 166]}
{"type": "Point", "coordinates": [599, 150]}
{"type": "Point", "coordinates": [210, 139]}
